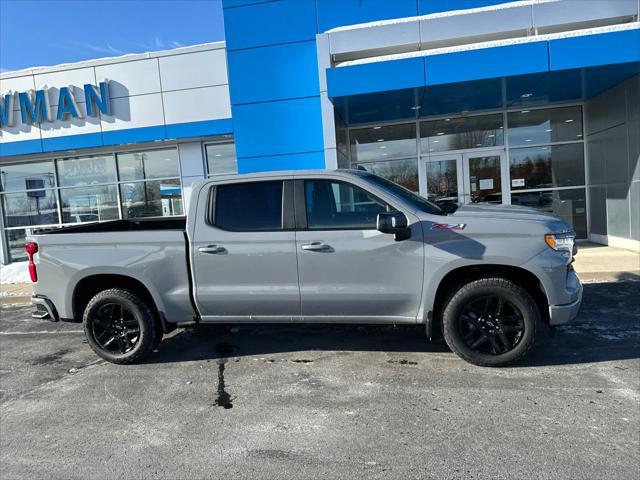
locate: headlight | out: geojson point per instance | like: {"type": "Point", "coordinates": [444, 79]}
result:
{"type": "Point", "coordinates": [562, 242]}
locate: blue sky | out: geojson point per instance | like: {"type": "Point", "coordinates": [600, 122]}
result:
{"type": "Point", "coordinates": [48, 32]}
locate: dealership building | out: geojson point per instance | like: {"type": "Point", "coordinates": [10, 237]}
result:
{"type": "Point", "coordinates": [533, 103]}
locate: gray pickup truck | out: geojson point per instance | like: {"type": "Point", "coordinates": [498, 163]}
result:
{"type": "Point", "coordinates": [343, 246]}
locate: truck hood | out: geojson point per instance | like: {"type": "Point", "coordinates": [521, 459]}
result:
{"type": "Point", "coordinates": [509, 213]}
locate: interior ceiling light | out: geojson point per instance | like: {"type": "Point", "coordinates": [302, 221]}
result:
{"type": "Point", "coordinates": [525, 111]}
{"type": "Point", "coordinates": [377, 128]}
{"type": "Point", "coordinates": [491, 136]}
{"type": "Point", "coordinates": [440, 133]}
{"type": "Point", "coordinates": [447, 119]}
{"type": "Point", "coordinates": [526, 95]}
{"type": "Point", "coordinates": [416, 107]}
{"type": "Point", "coordinates": [383, 146]}
{"type": "Point", "coordinates": [380, 140]}
{"type": "Point", "coordinates": [569, 120]}
{"type": "Point", "coordinates": [549, 130]}
{"type": "Point", "coordinates": [528, 140]}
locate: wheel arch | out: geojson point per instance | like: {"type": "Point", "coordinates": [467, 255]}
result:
{"type": "Point", "coordinates": [86, 288]}
{"type": "Point", "coordinates": [462, 275]}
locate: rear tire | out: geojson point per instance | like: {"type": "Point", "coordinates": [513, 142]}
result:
{"type": "Point", "coordinates": [119, 326]}
{"type": "Point", "coordinates": [490, 322]}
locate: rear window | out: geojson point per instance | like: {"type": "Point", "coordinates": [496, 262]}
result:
{"type": "Point", "coordinates": [246, 207]}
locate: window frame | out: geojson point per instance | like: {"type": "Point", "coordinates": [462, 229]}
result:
{"type": "Point", "coordinates": [287, 220]}
{"type": "Point", "coordinates": [301, 205]}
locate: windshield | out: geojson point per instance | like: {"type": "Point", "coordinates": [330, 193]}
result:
{"type": "Point", "coordinates": [407, 195]}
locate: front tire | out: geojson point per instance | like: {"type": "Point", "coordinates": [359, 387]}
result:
{"type": "Point", "coordinates": [490, 322]}
{"type": "Point", "coordinates": [119, 326]}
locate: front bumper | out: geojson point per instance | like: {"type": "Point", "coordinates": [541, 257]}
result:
{"type": "Point", "coordinates": [561, 314]}
{"type": "Point", "coordinates": [44, 309]}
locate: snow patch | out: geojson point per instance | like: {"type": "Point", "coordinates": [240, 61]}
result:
{"type": "Point", "coordinates": [450, 13]}
{"type": "Point", "coordinates": [494, 43]}
{"type": "Point", "coordinates": [17, 272]}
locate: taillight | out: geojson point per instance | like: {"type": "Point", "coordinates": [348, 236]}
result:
{"type": "Point", "coordinates": [32, 248]}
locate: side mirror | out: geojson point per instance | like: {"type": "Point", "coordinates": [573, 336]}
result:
{"type": "Point", "coordinates": [395, 223]}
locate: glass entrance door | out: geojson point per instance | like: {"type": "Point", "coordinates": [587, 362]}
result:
{"type": "Point", "coordinates": [483, 174]}
{"type": "Point", "coordinates": [472, 177]}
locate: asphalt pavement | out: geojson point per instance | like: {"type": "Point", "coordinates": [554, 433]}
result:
{"type": "Point", "coordinates": [316, 401]}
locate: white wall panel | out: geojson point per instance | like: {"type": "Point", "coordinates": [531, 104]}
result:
{"type": "Point", "coordinates": [191, 160]}
{"type": "Point", "coordinates": [193, 70]}
{"type": "Point", "coordinates": [197, 104]}
{"type": "Point", "coordinates": [19, 132]}
{"type": "Point", "coordinates": [76, 78]}
{"type": "Point", "coordinates": [130, 78]}
{"type": "Point", "coordinates": [134, 112]}
{"type": "Point", "coordinates": [71, 126]}
{"type": "Point", "coordinates": [16, 84]}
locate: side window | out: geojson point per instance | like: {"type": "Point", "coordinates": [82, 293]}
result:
{"type": "Point", "coordinates": [249, 207]}
{"type": "Point", "coordinates": [340, 205]}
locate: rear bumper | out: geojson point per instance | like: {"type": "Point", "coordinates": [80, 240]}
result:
{"type": "Point", "coordinates": [44, 309]}
{"type": "Point", "coordinates": [561, 314]}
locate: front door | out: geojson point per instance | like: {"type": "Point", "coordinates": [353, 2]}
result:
{"type": "Point", "coordinates": [471, 177]}
{"type": "Point", "coordinates": [348, 269]}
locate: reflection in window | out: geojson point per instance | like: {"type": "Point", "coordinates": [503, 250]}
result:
{"type": "Point", "coordinates": [442, 181]}
{"type": "Point", "coordinates": [461, 133]}
{"type": "Point", "coordinates": [89, 204]}
{"type": "Point", "coordinates": [17, 240]}
{"type": "Point", "coordinates": [383, 143]}
{"type": "Point", "coordinates": [570, 205]}
{"type": "Point", "coordinates": [545, 167]}
{"type": "Point", "coordinates": [148, 164]}
{"type": "Point", "coordinates": [36, 207]}
{"type": "Point", "coordinates": [81, 171]}
{"type": "Point", "coordinates": [402, 172]}
{"type": "Point", "coordinates": [545, 126]}
{"type": "Point", "coordinates": [27, 176]}
{"type": "Point", "coordinates": [221, 159]}
{"type": "Point", "coordinates": [157, 198]}
{"type": "Point", "coordinates": [340, 205]}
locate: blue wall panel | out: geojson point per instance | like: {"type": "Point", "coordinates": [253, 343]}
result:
{"type": "Point", "coordinates": [273, 73]}
{"type": "Point", "coordinates": [594, 50]}
{"type": "Point", "coordinates": [426, 7]}
{"type": "Point", "coordinates": [200, 129]}
{"type": "Point", "coordinates": [72, 142]}
{"type": "Point", "coordinates": [240, 3]}
{"type": "Point", "coordinates": [337, 13]}
{"type": "Point", "coordinates": [487, 63]}
{"type": "Point", "coordinates": [376, 77]}
{"type": "Point", "coordinates": [282, 127]}
{"type": "Point", "coordinates": [297, 161]}
{"type": "Point", "coordinates": [134, 135]}
{"type": "Point", "coordinates": [24, 147]}
{"type": "Point", "coordinates": [270, 23]}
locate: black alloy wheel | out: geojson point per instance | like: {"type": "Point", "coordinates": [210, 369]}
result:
{"type": "Point", "coordinates": [115, 328]}
{"type": "Point", "coordinates": [491, 325]}
{"type": "Point", "coordinates": [120, 327]}
{"type": "Point", "coordinates": [490, 322]}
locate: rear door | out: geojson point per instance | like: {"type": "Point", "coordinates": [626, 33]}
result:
{"type": "Point", "coordinates": [244, 258]}
{"type": "Point", "coordinates": [348, 269]}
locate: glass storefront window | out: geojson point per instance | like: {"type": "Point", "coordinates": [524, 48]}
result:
{"type": "Point", "coordinates": [402, 172]}
{"type": "Point", "coordinates": [461, 133]}
{"type": "Point", "coordinates": [148, 164]}
{"type": "Point", "coordinates": [570, 205]}
{"type": "Point", "coordinates": [157, 198]}
{"type": "Point", "coordinates": [221, 159]}
{"type": "Point", "coordinates": [545, 167]}
{"type": "Point", "coordinates": [17, 240]}
{"type": "Point", "coordinates": [89, 204]}
{"type": "Point", "coordinates": [547, 125]}
{"type": "Point", "coordinates": [383, 142]}
{"type": "Point", "coordinates": [27, 176]}
{"type": "Point", "coordinates": [442, 181]}
{"type": "Point", "coordinates": [36, 207]}
{"type": "Point", "coordinates": [82, 171]}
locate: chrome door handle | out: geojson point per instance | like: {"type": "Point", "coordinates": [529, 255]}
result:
{"type": "Point", "coordinates": [212, 249]}
{"type": "Point", "coordinates": [316, 247]}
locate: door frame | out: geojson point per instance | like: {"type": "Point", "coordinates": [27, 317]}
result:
{"type": "Point", "coordinates": [462, 167]}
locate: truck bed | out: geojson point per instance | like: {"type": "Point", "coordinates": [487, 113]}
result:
{"type": "Point", "coordinates": [174, 223]}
